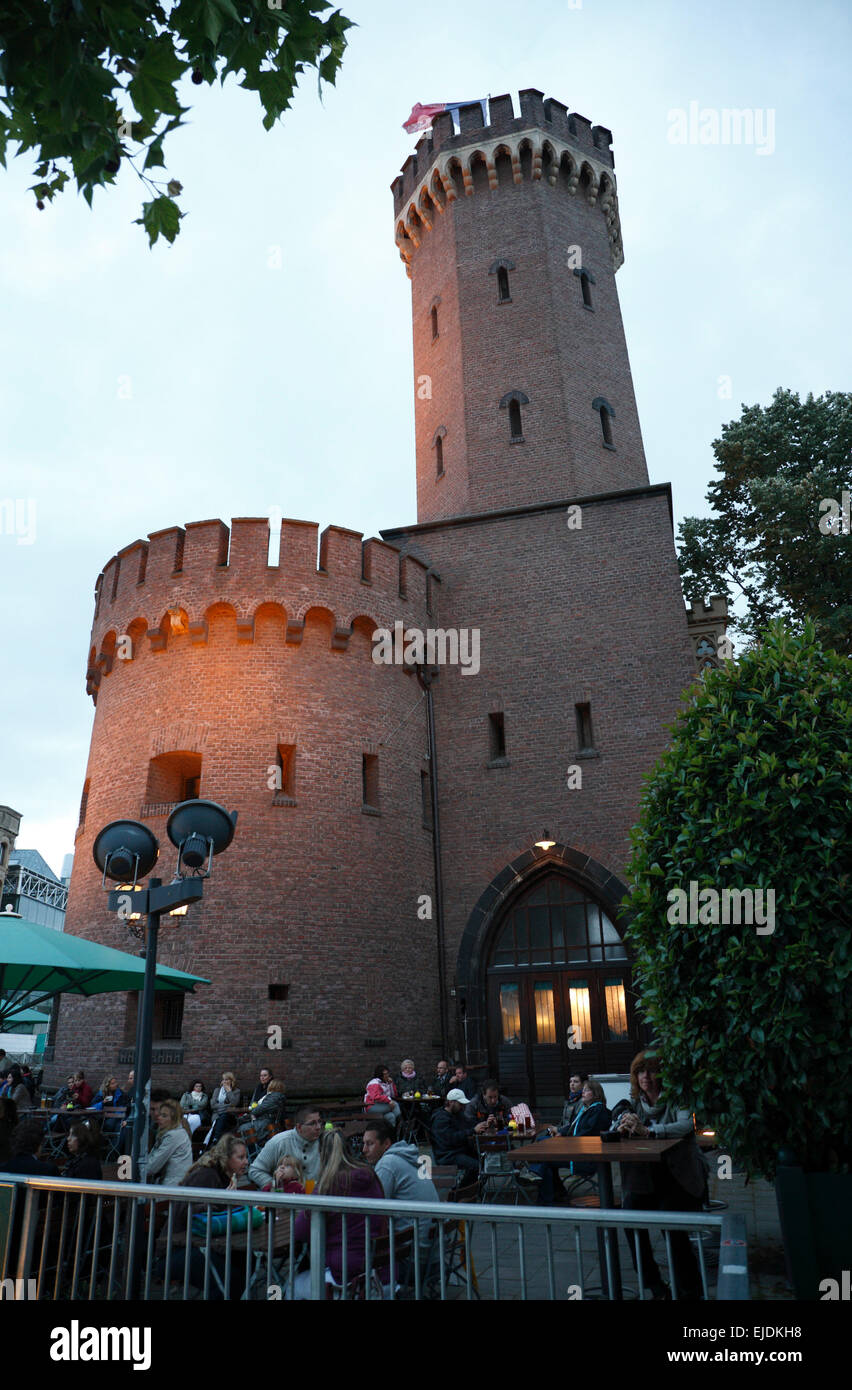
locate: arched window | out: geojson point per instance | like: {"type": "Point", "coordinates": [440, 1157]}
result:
{"type": "Point", "coordinates": [438, 445]}
{"type": "Point", "coordinates": [512, 401]}
{"type": "Point", "coordinates": [501, 269]}
{"type": "Point", "coordinates": [586, 281]}
{"type": "Point", "coordinates": [607, 415]}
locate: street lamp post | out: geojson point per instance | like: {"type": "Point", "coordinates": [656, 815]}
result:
{"type": "Point", "coordinates": [125, 851]}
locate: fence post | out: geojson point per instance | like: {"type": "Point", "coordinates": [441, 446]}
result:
{"type": "Point", "coordinates": [733, 1260]}
{"type": "Point", "coordinates": [28, 1231]}
{"type": "Point", "coordinates": [318, 1254]}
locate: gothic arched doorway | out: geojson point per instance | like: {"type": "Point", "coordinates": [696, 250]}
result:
{"type": "Point", "coordinates": [558, 991]}
{"type": "Point", "coordinates": [548, 988]}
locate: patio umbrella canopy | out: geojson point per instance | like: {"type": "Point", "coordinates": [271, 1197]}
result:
{"type": "Point", "coordinates": [37, 963]}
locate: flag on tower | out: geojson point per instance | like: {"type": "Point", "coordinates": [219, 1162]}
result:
{"type": "Point", "coordinates": [422, 117]}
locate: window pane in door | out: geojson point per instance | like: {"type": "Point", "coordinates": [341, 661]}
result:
{"type": "Point", "coordinates": [579, 1005]}
{"type": "Point", "coordinates": [616, 1008]}
{"type": "Point", "coordinates": [545, 1014]}
{"type": "Point", "coordinates": [539, 936]}
{"type": "Point", "coordinates": [510, 1013]}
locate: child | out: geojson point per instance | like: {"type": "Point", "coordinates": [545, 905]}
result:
{"type": "Point", "coordinates": [289, 1175]}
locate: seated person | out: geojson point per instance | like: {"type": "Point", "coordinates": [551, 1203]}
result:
{"type": "Point", "coordinates": [195, 1104]}
{"type": "Point", "coordinates": [223, 1102]}
{"type": "Point", "coordinates": [408, 1081]}
{"type": "Point", "coordinates": [590, 1119]}
{"type": "Point", "coordinates": [451, 1133]}
{"type": "Point", "coordinates": [489, 1105]}
{"type": "Point", "coordinates": [289, 1175]}
{"type": "Point", "coordinates": [302, 1141]}
{"type": "Point", "coordinates": [110, 1096]}
{"type": "Point", "coordinates": [397, 1166]}
{"type": "Point", "coordinates": [340, 1177]}
{"type": "Point", "coordinates": [270, 1110]}
{"type": "Point", "coordinates": [462, 1082]}
{"type": "Point", "coordinates": [81, 1091]}
{"type": "Point", "coordinates": [262, 1087]}
{"type": "Point", "coordinates": [576, 1082]}
{"type": "Point", "coordinates": [442, 1079]}
{"type": "Point", "coordinates": [380, 1097]}
{"type": "Point", "coordinates": [171, 1157]}
{"type": "Point", "coordinates": [220, 1169]}
{"type": "Point", "coordinates": [84, 1142]}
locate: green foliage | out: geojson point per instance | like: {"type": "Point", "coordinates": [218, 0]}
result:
{"type": "Point", "coordinates": [89, 85]}
{"type": "Point", "coordinates": [763, 542]}
{"type": "Point", "coordinates": [755, 791]}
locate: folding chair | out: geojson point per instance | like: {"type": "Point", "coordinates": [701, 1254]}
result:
{"type": "Point", "coordinates": [458, 1266]}
{"type": "Point", "coordinates": [498, 1177]}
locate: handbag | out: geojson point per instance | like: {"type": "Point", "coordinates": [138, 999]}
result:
{"type": "Point", "coordinates": [219, 1221]}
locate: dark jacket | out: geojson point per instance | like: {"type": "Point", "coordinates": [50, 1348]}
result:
{"type": "Point", "coordinates": [468, 1085]}
{"type": "Point", "coordinates": [587, 1122]}
{"type": "Point", "coordinates": [406, 1085]}
{"type": "Point", "coordinates": [31, 1166]}
{"type": "Point", "coordinates": [477, 1110]}
{"type": "Point", "coordinates": [117, 1100]}
{"type": "Point", "coordinates": [439, 1085]}
{"type": "Point", "coordinates": [258, 1093]}
{"type": "Point", "coordinates": [363, 1183]}
{"type": "Point", "coordinates": [450, 1134]}
{"type": "Point", "coordinates": [206, 1175]}
{"type": "Point", "coordinates": [84, 1166]}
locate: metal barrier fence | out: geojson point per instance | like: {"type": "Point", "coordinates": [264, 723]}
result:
{"type": "Point", "coordinates": [69, 1239]}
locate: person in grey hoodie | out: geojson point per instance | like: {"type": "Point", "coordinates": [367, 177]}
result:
{"type": "Point", "coordinates": [404, 1175]}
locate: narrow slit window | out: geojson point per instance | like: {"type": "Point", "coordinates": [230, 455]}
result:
{"type": "Point", "coordinates": [439, 456]}
{"type": "Point", "coordinates": [606, 425]}
{"type": "Point", "coordinates": [286, 767]}
{"type": "Point", "coordinates": [434, 317]}
{"type": "Point", "coordinates": [370, 780]}
{"type": "Point", "coordinates": [278, 992]}
{"type": "Point", "coordinates": [503, 292]}
{"type": "Point", "coordinates": [585, 737]}
{"type": "Point", "coordinates": [516, 429]}
{"type": "Point", "coordinates": [497, 735]}
{"type": "Point", "coordinates": [586, 287]}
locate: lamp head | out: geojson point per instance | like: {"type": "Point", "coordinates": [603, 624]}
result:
{"type": "Point", "coordinates": [199, 829]}
{"type": "Point", "coordinates": [125, 850]}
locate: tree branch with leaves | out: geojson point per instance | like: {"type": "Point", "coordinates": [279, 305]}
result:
{"type": "Point", "coordinates": [92, 86]}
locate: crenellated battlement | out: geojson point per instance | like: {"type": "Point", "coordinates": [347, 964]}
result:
{"type": "Point", "coordinates": [545, 142]}
{"type": "Point", "coordinates": [166, 586]}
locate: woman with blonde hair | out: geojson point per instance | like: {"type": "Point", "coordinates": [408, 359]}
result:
{"type": "Point", "coordinates": [223, 1102]}
{"type": "Point", "coordinates": [170, 1158]}
{"type": "Point", "coordinates": [340, 1177]}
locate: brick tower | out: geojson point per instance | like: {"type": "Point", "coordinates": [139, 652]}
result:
{"type": "Point", "coordinates": [537, 527]}
{"type": "Point", "coordinates": [511, 236]}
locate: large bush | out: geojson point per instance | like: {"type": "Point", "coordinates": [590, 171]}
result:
{"type": "Point", "coordinates": [755, 792]}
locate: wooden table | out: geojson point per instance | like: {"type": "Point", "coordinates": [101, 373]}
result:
{"type": "Point", "coordinates": [592, 1150]}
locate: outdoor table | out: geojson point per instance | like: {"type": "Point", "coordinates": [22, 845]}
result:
{"type": "Point", "coordinates": [592, 1150]}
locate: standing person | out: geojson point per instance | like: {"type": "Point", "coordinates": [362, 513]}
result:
{"type": "Point", "coordinates": [83, 1143]}
{"type": "Point", "coordinates": [677, 1183]}
{"type": "Point", "coordinates": [302, 1141]}
{"type": "Point", "coordinates": [171, 1157]}
{"type": "Point", "coordinates": [339, 1177]}
{"type": "Point", "coordinates": [262, 1086]}
{"type": "Point", "coordinates": [398, 1169]}
{"type": "Point", "coordinates": [380, 1097]}
{"type": "Point", "coordinates": [451, 1133]}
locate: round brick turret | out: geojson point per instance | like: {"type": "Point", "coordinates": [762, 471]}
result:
{"type": "Point", "coordinates": [205, 663]}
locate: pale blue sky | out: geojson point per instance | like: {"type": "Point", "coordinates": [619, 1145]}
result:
{"type": "Point", "coordinates": [254, 388]}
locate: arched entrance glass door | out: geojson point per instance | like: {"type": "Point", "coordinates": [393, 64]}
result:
{"type": "Point", "coordinates": [559, 997]}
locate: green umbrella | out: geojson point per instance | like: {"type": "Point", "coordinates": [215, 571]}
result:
{"type": "Point", "coordinates": [37, 963]}
{"type": "Point", "coordinates": [22, 1015]}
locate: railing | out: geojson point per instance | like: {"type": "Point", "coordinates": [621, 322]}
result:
{"type": "Point", "coordinates": [70, 1239]}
